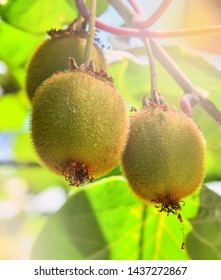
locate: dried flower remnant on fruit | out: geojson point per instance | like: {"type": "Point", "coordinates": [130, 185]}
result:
{"type": "Point", "coordinates": [77, 174]}
{"type": "Point", "coordinates": [74, 27]}
{"type": "Point", "coordinates": [168, 205]}
{"type": "Point", "coordinates": [172, 206]}
{"type": "Point", "coordinates": [90, 69]}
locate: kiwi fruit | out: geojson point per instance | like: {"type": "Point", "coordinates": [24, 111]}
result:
{"type": "Point", "coordinates": [164, 157]}
{"type": "Point", "coordinates": [52, 56]}
{"type": "Point", "coordinates": [79, 124]}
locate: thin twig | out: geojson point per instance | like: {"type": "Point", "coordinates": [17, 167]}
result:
{"type": "Point", "coordinates": [90, 36]}
{"type": "Point", "coordinates": [153, 72]}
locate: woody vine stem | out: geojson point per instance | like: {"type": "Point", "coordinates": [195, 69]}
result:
{"type": "Point", "coordinates": [134, 20]}
{"type": "Point", "coordinates": [125, 12]}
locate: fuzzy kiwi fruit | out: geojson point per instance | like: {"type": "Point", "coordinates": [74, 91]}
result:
{"type": "Point", "coordinates": [164, 157]}
{"type": "Point", "coordinates": [79, 124]}
{"type": "Point", "coordinates": [52, 56]}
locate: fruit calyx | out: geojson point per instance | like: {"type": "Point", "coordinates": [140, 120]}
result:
{"type": "Point", "coordinates": [90, 69]}
{"type": "Point", "coordinates": [76, 27]}
{"type": "Point", "coordinates": [77, 173]}
{"type": "Point", "coordinates": [168, 204]}
{"type": "Point", "coordinates": [171, 205]}
{"type": "Point", "coordinates": [157, 101]}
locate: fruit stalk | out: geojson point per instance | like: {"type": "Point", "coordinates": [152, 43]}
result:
{"type": "Point", "coordinates": [153, 73]}
{"type": "Point", "coordinates": [90, 36]}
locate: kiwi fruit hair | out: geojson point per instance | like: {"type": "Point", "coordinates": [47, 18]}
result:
{"type": "Point", "coordinates": [52, 56]}
{"type": "Point", "coordinates": [79, 124]}
{"type": "Point", "coordinates": [164, 157]}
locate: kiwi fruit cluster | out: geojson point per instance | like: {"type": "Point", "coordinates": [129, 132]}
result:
{"type": "Point", "coordinates": [164, 156]}
{"type": "Point", "coordinates": [79, 122]}
{"type": "Point", "coordinates": [81, 130]}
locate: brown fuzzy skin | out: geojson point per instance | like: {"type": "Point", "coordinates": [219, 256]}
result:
{"type": "Point", "coordinates": [79, 121]}
{"type": "Point", "coordinates": [52, 56]}
{"type": "Point", "coordinates": [164, 156]}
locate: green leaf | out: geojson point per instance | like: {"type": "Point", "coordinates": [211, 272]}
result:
{"type": "Point", "coordinates": [38, 16]}
{"type": "Point", "coordinates": [15, 52]}
{"type": "Point", "coordinates": [101, 6]}
{"type": "Point", "coordinates": [105, 221]}
{"type": "Point", "coordinates": [205, 238]}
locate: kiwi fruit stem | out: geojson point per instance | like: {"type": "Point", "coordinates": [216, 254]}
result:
{"type": "Point", "coordinates": [90, 35]}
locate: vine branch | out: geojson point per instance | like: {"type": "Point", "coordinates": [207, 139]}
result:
{"type": "Point", "coordinates": [132, 32]}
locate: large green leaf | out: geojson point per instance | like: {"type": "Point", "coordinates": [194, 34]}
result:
{"type": "Point", "coordinates": [16, 45]}
{"type": "Point", "coordinates": [204, 241]}
{"type": "Point", "coordinates": [105, 221]}
{"type": "Point", "coordinates": [100, 8]}
{"type": "Point", "coordinates": [38, 16]}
